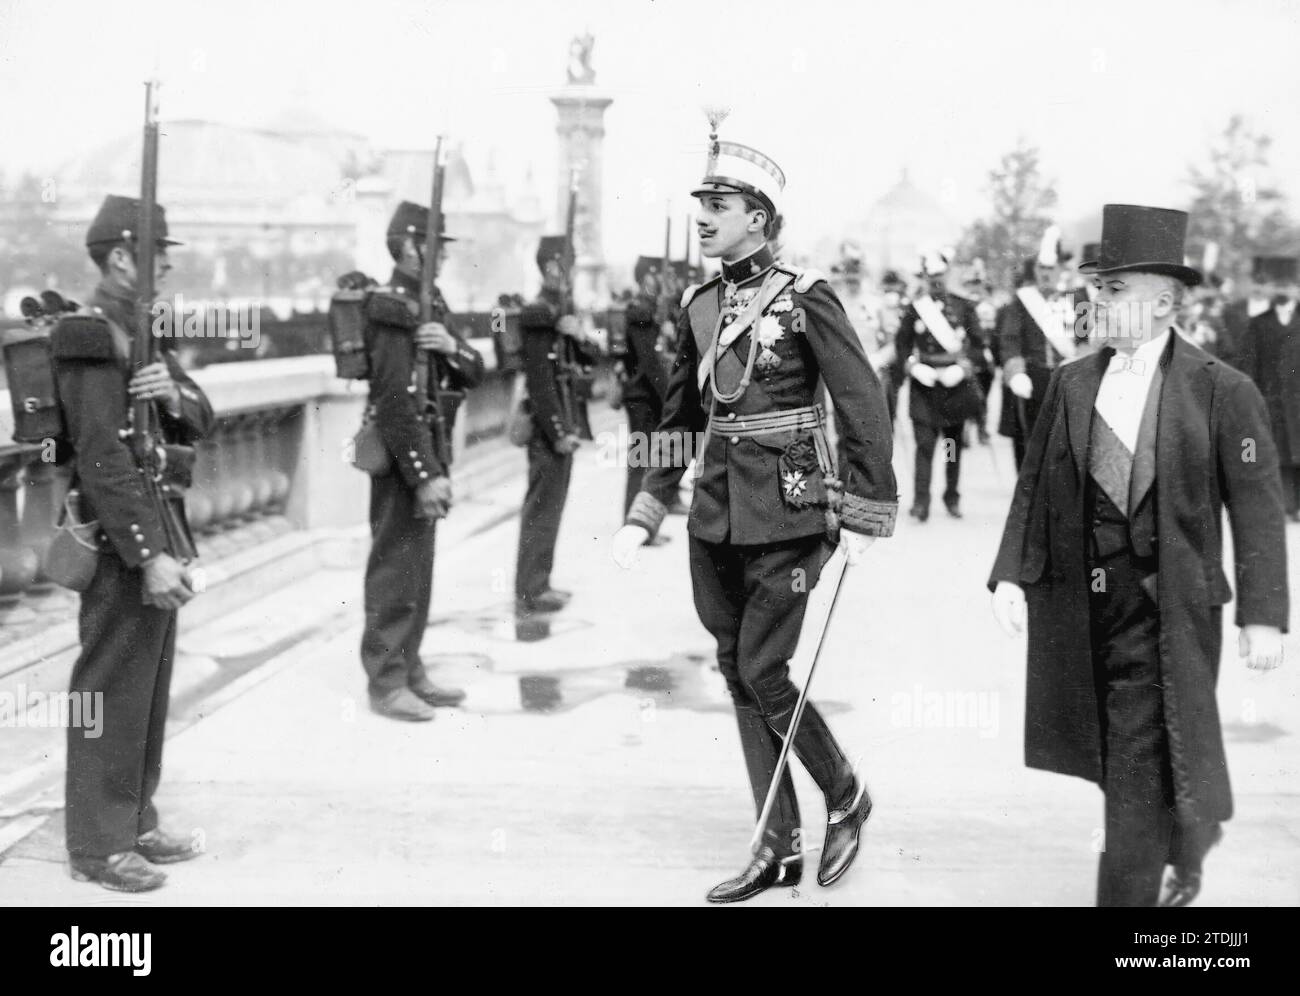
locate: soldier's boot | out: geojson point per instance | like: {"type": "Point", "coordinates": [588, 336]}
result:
{"type": "Point", "coordinates": [123, 872]}
{"type": "Point", "coordinates": [162, 848]}
{"type": "Point", "coordinates": [843, 829]}
{"type": "Point", "coordinates": [403, 704]}
{"type": "Point", "coordinates": [433, 694]}
{"type": "Point", "coordinates": [763, 872]}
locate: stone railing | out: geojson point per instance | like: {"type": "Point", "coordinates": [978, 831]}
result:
{"type": "Point", "coordinates": [276, 461]}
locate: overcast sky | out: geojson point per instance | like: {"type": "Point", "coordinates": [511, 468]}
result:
{"type": "Point", "coordinates": [1120, 96]}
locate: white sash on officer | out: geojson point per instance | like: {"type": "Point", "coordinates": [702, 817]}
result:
{"type": "Point", "coordinates": [1061, 338]}
{"type": "Point", "coordinates": [935, 320]}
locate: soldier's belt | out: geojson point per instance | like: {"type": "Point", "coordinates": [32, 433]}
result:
{"type": "Point", "coordinates": [812, 417]}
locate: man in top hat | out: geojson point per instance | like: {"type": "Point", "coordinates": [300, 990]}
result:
{"type": "Point", "coordinates": [1271, 356]}
{"type": "Point", "coordinates": [556, 354]}
{"type": "Point", "coordinates": [1113, 546]}
{"type": "Point", "coordinates": [1238, 315]}
{"type": "Point", "coordinates": [753, 344]}
{"type": "Point", "coordinates": [1035, 335]}
{"type": "Point", "coordinates": [641, 369]}
{"type": "Point", "coordinates": [937, 343]}
{"type": "Point", "coordinates": [127, 622]}
{"type": "Point", "coordinates": [407, 501]}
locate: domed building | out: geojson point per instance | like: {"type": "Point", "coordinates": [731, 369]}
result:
{"type": "Point", "coordinates": [899, 226]}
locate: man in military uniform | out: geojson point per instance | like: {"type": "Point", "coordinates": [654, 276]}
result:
{"type": "Point", "coordinates": [1113, 547]}
{"type": "Point", "coordinates": [127, 621]}
{"type": "Point", "coordinates": [556, 355]}
{"type": "Point", "coordinates": [937, 340]}
{"type": "Point", "coordinates": [752, 347]}
{"type": "Point", "coordinates": [1270, 355]}
{"type": "Point", "coordinates": [1035, 335]}
{"type": "Point", "coordinates": [407, 501]}
{"type": "Point", "coordinates": [1238, 315]}
{"type": "Point", "coordinates": [642, 371]}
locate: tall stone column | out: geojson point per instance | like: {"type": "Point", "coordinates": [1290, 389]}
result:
{"type": "Point", "coordinates": [581, 129]}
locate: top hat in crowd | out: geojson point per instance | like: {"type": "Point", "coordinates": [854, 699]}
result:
{"type": "Point", "coordinates": [1142, 239]}
{"type": "Point", "coordinates": [1273, 269]}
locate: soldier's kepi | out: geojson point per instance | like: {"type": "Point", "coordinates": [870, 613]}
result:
{"type": "Point", "coordinates": [770, 503]}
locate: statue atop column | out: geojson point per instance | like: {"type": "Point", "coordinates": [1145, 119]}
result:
{"type": "Point", "coordinates": [579, 70]}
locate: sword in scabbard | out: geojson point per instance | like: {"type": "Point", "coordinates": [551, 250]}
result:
{"type": "Point", "coordinates": [816, 622]}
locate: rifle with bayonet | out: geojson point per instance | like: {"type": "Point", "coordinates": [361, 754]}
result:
{"type": "Point", "coordinates": [164, 468]}
{"type": "Point", "coordinates": [437, 402]}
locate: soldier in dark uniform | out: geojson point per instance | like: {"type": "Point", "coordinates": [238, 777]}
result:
{"type": "Point", "coordinates": [127, 622]}
{"type": "Point", "coordinates": [1030, 353]}
{"type": "Point", "coordinates": [1270, 355]}
{"type": "Point", "coordinates": [407, 501]}
{"type": "Point", "coordinates": [1113, 548]}
{"type": "Point", "coordinates": [937, 340]}
{"type": "Point", "coordinates": [752, 347]}
{"type": "Point", "coordinates": [1238, 315]}
{"type": "Point", "coordinates": [556, 356]}
{"type": "Point", "coordinates": [641, 368]}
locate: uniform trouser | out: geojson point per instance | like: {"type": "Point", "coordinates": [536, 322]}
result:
{"type": "Point", "coordinates": [1290, 488]}
{"type": "Point", "coordinates": [1137, 779]}
{"type": "Point", "coordinates": [127, 649]}
{"type": "Point", "coordinates": [1026, 416]}
{"type": "Point", "coordinates": [539, 521]}
{"type": "Point", "coordinates": [398, 586]}
{"type": "Point", "coordinates": [752, 600]}
{"type": "Point", "coordinates": [642, 417]}
{"type": "Point", "coordinates": [926, 438]}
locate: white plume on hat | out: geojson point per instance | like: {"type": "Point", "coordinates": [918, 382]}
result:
{"type": "Point", "coordinates": [935, 261]}
{"type": "Point", "coordinates": [1049, 249]}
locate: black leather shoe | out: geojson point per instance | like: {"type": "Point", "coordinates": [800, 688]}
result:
{"type": "Point", "coordinates": [435, 695]}
{"type": "Point", "coordinates": [162, 848]}
{"type": "Point", "coordinates": [1182, 884]}
{"type": "Point", "coordinates": [920, 512]}
{"type": "Point", "coordinates": [765, 871]}
{"type": "Point", "coordinates": [843, 826]}
{"type": "Point", "coordinates": [124, 872]}
{"type": "Point", "coordinates": [954, 509]}
{"type": "Point", "coordinates": [403, 704]}
{"type": "Point", "coordinates": [548, 601]}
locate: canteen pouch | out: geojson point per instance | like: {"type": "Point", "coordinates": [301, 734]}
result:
{"type": "Point", "coordinates": [73, 554]}
{"type": "Point", "coordinates": [347, 331]}
{"type": "Point", "coordinates": [369, 454]}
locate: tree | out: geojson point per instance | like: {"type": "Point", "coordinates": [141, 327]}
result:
{"type": "Point", "coordinates": [1022, 200]}
{"type": "Point", "coordinates": [1234, 204]}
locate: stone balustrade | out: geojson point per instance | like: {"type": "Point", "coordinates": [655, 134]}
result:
{"type": "Point", "coordinates": [276, 461]}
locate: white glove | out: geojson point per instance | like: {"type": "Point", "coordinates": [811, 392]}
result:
{"type": "Point", "coordinates": [1021, 386]}
{"type": "Point", "coordinates": [952, 376]}
{"type": "Point", "coordinates": [626, 546]}
{"type": "Point", "coordinates": [1009, 607]}
{"type": "Point", "coordinates": [924, 374]}
{"type": "Point", "coordinates": [855, 545]}
{"type": "Point", "coordinates": [1261, 646]}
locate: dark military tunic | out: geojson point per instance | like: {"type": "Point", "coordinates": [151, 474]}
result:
{"type": "Point", "coordinates": [1271, 356]}
{"type": "Point", "coordinates": [558, 405]}
{"type": "Point", "coordinates": [645, 384]}
{"type": "Point", "coordinates": [399, 571]}
{"type": "Point", "coordinates": [127, 647]}
{"type": "Point", "coordinates": [758, 516]}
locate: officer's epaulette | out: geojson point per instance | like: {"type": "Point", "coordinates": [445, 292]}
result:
{"type": "Point", "coordinates": [389, 306]}
{"type": "Point", "coordinates": [690, 293]}
{"type": "Point", "coordinates": [82, 336]}
{"type": "Point", "coordinates": [804, 277]}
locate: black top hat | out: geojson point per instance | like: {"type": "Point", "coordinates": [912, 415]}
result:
{"type": "Point", "coordinates": [1091, 250]}
{"type": "Point", "coordinates": [1143, 239]}
{"type": "Point", "coordinates": [118, 220]}
{"type": "Point", "coordinates": [892, 279]}
{"type": "Point", "coordinates": [413, 220]}
{"type": "Point", "coordinates": [1273, 269]}
{"type": "Point", "coordinates": [648, 264]}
